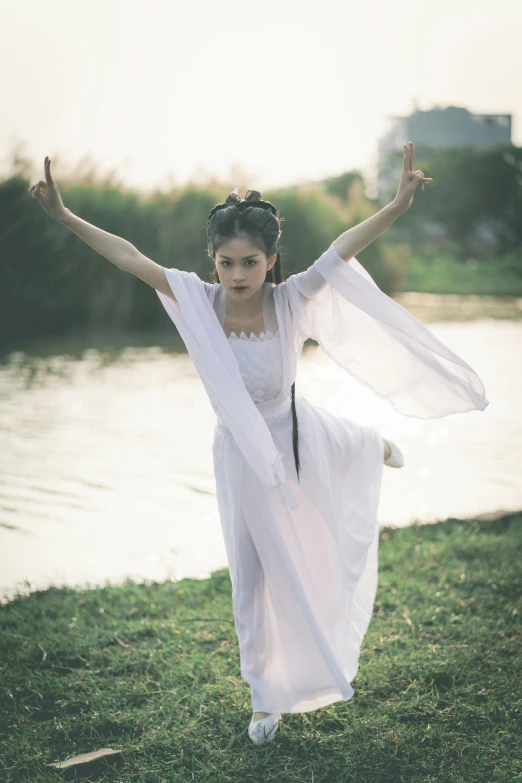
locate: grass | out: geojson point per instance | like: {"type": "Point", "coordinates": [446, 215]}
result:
{"type": "Point", "coordinates": [153, 670]}
{"type": "Point", "coordinates": [443, 274]}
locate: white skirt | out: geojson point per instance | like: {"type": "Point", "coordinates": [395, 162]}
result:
{"type": "Point", "coordinates": [302, 594]}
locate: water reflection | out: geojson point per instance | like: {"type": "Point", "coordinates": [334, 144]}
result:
{"type": "Point", "coordinates": [106, 464]}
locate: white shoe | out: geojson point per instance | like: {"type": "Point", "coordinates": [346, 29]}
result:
{"type": "Point", "coordinates": [396, 458]}
{"type": "Point", "coordinates": [265, 729]}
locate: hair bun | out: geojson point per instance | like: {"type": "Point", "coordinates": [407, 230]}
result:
{"type": "Point", "coordinates": [252, 199]}
{"type": "Point", "coordinates": [234, 198]}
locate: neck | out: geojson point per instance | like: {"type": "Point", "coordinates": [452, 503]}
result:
{"type": "Point", "coordinates": [248, 308]}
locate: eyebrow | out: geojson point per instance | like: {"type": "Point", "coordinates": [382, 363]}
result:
{"type": "Point", "coordinates": [252, 255]}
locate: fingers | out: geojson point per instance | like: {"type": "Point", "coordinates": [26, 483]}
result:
{"type": "Point", "coordinates": [419, 177]}
{"type": "Point", "coordinates": [47, 169]}
{"type": "Point", "coordinates": [35, 189]}
{"type": "Point", "coordinates": [409, 156]}
{"type": "Point", "coordinates": [406, 160]}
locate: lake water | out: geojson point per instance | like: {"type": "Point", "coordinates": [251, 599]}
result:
{"type": "Point", "coordinates": [106, 463]}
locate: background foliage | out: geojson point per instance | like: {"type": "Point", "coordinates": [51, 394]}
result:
{"type": "Point", "coordinates": [463, 234]}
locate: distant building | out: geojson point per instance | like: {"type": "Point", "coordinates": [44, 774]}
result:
{"type": "Point", "coordinates": [443, 128]}
{"type": "Point", "coordinates": [440, 128]}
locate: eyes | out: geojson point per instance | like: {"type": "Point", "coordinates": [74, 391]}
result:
{"type": "Point", "coordinates": [250, 260]}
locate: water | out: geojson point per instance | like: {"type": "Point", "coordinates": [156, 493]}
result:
{"type": "Point", "coordinates": [106, 463]}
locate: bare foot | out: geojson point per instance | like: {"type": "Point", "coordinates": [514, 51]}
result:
{"type": "Point", "coordinates": [260, 715]}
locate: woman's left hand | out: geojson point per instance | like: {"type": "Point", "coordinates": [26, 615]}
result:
{"type": "Point", "coordinates": [409, 180]}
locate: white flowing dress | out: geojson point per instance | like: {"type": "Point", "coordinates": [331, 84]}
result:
{"type": "Point", "coordinates": [331, 540]}
{"type": "Point", "coordinates": [304, 561]}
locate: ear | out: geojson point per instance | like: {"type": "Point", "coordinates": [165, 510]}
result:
{"type": "Point", "coordinates": [271, 261]}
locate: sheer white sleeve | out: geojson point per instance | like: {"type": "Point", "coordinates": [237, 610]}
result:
{"type": "Point", "coordinates": [338, 304]}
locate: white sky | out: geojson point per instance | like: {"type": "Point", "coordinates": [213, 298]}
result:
{"type": "Point", "coordinates": [265, 92]}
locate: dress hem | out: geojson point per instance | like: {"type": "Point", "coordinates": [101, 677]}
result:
{"type": "Point", "coordinates": [314, 701]}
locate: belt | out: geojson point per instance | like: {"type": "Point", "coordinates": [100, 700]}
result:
{"type": "Point", "coordinates": [276, 412]}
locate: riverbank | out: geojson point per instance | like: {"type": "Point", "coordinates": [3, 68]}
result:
{"type": "Point", "coordinates": [430, 308]}
{"type": "Point", "coordinates": [437, 273]}
{"type": "Point", "coordinates": [420, 301]}
{"type": "Point", "coordinates": [153, 670]}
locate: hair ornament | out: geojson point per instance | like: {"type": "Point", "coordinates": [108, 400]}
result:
{"type": "Point", "coordinates": [252, 199]}
{"type": "Point", "coordinates": [234, 197]}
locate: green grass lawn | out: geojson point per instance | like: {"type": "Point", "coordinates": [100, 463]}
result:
{"type": "Point", "coordinates": [440, 274]}
{"type": "Point", "coordinates": [153, 670]}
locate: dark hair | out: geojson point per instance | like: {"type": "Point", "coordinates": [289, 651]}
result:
{"type": "Point", "coordinates": [259, 221]}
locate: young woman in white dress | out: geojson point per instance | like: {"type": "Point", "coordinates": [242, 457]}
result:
{"type": "Point", "coordinates": [303, 561]}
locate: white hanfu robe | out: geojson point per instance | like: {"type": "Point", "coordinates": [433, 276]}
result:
{"type": "Point", "coordinates": [302, 554]}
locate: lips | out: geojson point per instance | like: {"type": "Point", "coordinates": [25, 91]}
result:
{"type": "Point", "coordinates": [239, 287]}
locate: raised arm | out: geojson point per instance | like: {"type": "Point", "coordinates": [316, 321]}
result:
{"type": "Point", "coordinates": [355, 239]}
{"type": "Point", "coordinates": [118, 251]}
{"type": "Point", "coordinates": [311, 283]}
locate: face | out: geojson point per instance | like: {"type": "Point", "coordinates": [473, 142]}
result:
{"type": "Point", "coordinates": [240, 263]}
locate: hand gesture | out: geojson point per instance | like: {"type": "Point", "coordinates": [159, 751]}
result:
{"type": "Point", "coordinates": [409, 179]}
{"type": "Point", "coordinates": [51, 200]}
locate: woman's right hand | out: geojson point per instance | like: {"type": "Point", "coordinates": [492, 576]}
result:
{"type": "Point", "coordinates": [51, 200]}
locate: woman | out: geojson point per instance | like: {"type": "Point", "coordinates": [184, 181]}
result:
{"type": "Point", "coordinates": [297, 488]}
